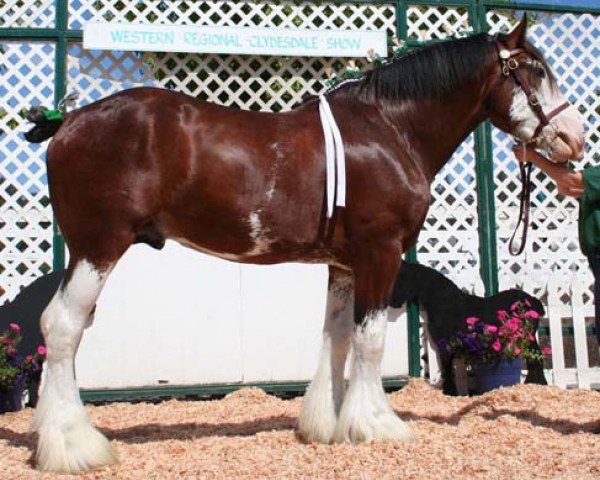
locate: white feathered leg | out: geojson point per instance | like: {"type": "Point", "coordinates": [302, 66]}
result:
{"type": "Point", "coordinates": [324, 396]}
{"type": "Point", "coordinates": [67, 442]}
{"type": "Point", "coordinates": [366, 413]}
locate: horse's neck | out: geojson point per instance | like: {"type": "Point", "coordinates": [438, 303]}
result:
{"type": "Point", "coordinates": [438, 127]}
{"type": "Point", "coordinates": [428, 285]}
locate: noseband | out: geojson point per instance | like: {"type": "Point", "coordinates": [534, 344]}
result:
{"type": "Point", "coordinates": [510, 66]}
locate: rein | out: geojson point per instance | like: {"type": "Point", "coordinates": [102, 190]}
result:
{"type": "Point", "coordinates": [524, 209]}
{"type": "Point", "coordinates": [510, 66]}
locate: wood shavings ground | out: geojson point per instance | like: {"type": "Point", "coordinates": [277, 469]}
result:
{"type": "Point", "coordinates": [522, 432]}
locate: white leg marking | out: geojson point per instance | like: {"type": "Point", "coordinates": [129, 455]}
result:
{"type": "Point", "coordinates": [366, 413]}
{"type": "Point", "coordinates": [324, 396]}
{"type": "Point", "coordinates": [67, 442]}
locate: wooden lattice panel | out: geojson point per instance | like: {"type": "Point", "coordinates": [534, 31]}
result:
{"type": "Point", "coordinates": [428, 23]}
{"type": "Point", "coordinates": [449, 240]}
{"type": "Point", "coordinates": [570, 44]}
{"type": "Point", "coordinates": [283, 14]}
{"type": "Point", "coordinates": [26, 78]}
{"type": "Point", "coordinates": [96, 74]}
{"type": "Point", "coordinates": [27, 13]}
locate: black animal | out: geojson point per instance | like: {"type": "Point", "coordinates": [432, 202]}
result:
{"type": "Point", "coordinates": [448, 307]}
{"type": "Point", "coordinates": [26, 309]}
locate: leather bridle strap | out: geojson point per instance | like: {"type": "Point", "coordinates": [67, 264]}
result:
{"type": "Point", "coordinates": [510, 66]}
{"type": "Point", "coordinates": [524, 209]}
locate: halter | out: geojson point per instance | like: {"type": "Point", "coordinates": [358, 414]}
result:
{"type": "Point", "coordinates": [510, 66]}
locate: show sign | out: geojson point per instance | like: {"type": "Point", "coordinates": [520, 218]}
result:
{"type": "Point", "coordinates": [235, 40]}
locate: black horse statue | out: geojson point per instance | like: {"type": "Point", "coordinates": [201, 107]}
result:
{"type": "Point", "coordinates": [447, 308]}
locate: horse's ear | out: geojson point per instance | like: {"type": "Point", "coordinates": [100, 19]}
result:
{"type": "Point", "coordinates": [516, 38]}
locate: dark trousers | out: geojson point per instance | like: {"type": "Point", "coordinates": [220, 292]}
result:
{"type": "Point", "coordinates": [595, 266]}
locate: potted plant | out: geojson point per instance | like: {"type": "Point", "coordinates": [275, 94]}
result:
{"type": "Point", "coordinates": [494, 352]}
{"type": "Point", "coordinates": [18, 371]}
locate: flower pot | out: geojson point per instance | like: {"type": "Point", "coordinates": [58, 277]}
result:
{"type": "Point", "coordinates": [502, 373]}
{"type": "Point", "coordinates": [12, 400]}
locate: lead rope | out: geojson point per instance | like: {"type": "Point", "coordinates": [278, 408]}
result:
{"type": "Point", "coordinates": [524, 207]}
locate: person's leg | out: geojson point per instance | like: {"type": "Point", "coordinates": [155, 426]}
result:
{"type": "Point", "coordinates": [594, 261]}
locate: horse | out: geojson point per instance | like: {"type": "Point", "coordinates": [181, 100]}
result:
{"type": "Point", "coordinates": [146, 165]}
{"type": "Point", "coordinates": [448, 307]}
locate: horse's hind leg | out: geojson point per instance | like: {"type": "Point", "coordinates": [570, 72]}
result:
{"type": "Point", "coordinates": [323, 399]}
{"type": "Point", "coordinates": [66, 441]}
{"type": "Point", "coordinates": [366, 413]}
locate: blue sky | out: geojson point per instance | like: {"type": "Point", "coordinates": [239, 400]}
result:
{"type": "Point", "coordinates": [571, 3]}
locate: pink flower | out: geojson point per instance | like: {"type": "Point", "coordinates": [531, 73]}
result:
{"type": "Point", "coordinates": [41, 350]}
{"type": "Point", "coordinates": [496, 346]}
{"type": "Point", "coordinates": [491, 328]}
{"type": "Point", "coordinates": [517, 350]}
{"type": "Point", "coordinates": [15, 327]}
{"type": "Point", "coordinates": [502, 315]}
{"type": "Point", "coordinates": [532, 314]}
{"type": "Point", "coordinates": [547, 350]}
{"type": "Point", "coordinates": [531, 337]}
{"type": "Point", "coordinates": [29, 358]}
{"type": "Point", "coordinates": [515, 305]}
{"type": "Point", "coordinates": [528, 303]}
{"type": "Point", "coordinates": [472, 320]}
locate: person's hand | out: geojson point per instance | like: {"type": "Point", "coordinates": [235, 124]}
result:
{"type": "Point", "coordinates": [571, 184]}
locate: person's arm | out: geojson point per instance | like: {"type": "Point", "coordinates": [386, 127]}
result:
{"type": "Point", "coordinates": [567, 181]}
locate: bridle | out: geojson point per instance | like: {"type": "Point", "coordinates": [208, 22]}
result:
{"type": "Point", "coordinates": [510, 66]}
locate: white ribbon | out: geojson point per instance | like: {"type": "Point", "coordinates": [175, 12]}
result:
{"type": "Point", "coordinates": [335, 159]}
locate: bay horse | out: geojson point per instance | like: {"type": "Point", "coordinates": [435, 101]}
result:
{"type": "Point", "coordinates": [146, 165]}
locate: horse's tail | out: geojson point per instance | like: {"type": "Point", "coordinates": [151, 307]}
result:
{"type": "Point", "coordinates": [47, 122]}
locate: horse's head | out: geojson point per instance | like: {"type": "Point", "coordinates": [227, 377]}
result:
{"type": "Point", "coordinates": [526, 101]}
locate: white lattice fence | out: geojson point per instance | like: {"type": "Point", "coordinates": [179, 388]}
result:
{"type": "Point", "coordinates": [27, 13]}
{"type": "Point", "coordinates": [26, 78]}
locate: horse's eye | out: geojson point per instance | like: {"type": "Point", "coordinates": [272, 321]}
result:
{"type": "Point", "coordinates": [540, 72]}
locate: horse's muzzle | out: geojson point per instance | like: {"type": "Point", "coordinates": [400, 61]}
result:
{"type": "Point", "coordinates": [561, 142]}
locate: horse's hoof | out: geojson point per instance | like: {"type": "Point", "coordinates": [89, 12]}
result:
{"type": "Point", "coordinates": [318, 419]}
{"type": "Point", "coordinates": [375, 427]}
{"type": "Point", "coordinates": [80, 449]}
{"type": "Point", "coordinates": [366, 415]}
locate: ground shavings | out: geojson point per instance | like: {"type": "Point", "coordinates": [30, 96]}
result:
{"type": "Point", "coordinates": [522, 432]}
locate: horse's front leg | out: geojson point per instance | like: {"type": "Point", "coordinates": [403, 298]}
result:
{"type": "Point", "coordinates": [366, 413]}
{"type": "Point", "coordinates": [323, 399]}
{"type": "Point", "coordinates": [67, 443]}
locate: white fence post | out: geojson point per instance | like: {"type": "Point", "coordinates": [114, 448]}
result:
{"type": "Point", "coordinates": [556, 338]}
{"type": "Point", "coordinates": [579, 333]}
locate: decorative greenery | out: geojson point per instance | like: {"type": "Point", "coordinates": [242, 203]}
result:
{"type": "Point", "coordinates": [512, 337]}
{"type": "Point", "coordinates": [14, 366]}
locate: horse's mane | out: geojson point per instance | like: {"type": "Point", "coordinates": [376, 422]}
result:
{"type": "Point", "coordinates": [430, 72]}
